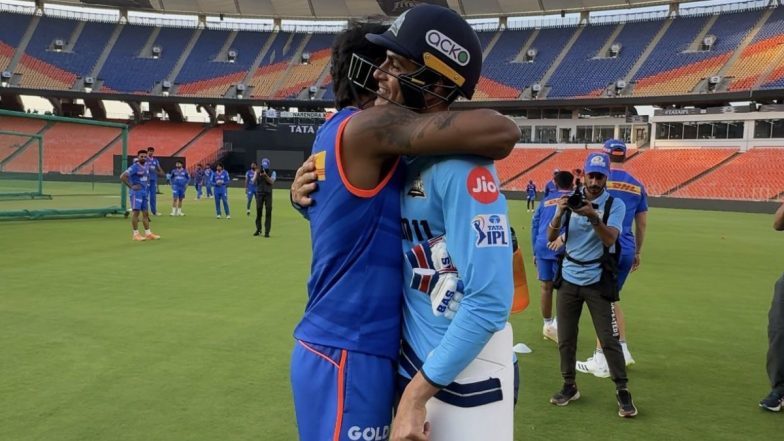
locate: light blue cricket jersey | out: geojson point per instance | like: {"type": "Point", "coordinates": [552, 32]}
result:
{"type": "Point", "coordinates": [584, 244]}
{"type": "Point", "coordinates": [458, 197]}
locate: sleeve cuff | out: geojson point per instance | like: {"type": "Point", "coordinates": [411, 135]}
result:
{"type": "Point", "coordinates": [432, 383]}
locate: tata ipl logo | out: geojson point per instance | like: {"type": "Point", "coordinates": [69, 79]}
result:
{"type": "Point", "coordinates": [448, 47]}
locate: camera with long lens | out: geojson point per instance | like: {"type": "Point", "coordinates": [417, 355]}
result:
{"type": "Point", "coordinates": [576, 200]}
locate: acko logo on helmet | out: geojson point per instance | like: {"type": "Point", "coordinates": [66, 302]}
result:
{"type": "Point", "coordinates": [448, 47]}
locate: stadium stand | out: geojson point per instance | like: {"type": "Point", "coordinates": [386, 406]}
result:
{"type": "Point", "coordinates": [302, 75]}
{"type": "Point", "coordinates": [207, 148]}
{"type": "Point", "coordinates": [676, 65]}
{"type": "Point", "coordinates": [204, 75]}
{"type": "Point", "coordinates": [11, 144]}
{"type": "Point", "coordinates": [753, 175]}
{"type": "Point", "coordinates": [125, 71]}
{"type": "Point", "coordinates": [663, 170]}
{"type": "Point", "coordinates": [521, 158]}
{"type": "Point", "coordinates": [766, 47]}
{"type": "Point", "coordinates": [563, 160]}
{"type": "Point", "coordinates": [275, 63]}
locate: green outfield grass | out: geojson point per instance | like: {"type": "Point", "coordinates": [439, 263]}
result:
{"type": "Point", "coordinates": [189, 337]}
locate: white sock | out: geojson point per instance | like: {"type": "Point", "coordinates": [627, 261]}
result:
{"type": "Point", "coordinates": [549, 321]}
{"type": "Point", "coordinates": [146, 231]}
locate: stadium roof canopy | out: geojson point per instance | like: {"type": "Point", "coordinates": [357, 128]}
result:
{"type": "Point", "coordinates": [333, 9]}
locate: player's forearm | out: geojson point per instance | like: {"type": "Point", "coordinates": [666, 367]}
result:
{"type": "Point", "coordinates": [554, 227]}
{"type": "Point", "coordinates": [778, 222]}
{"type": "Point", "coordinates": [640, 225]}
{"type": "Point", "coordinates": [608, 235]}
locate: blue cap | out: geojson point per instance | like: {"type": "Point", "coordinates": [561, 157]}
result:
{"type": "Point", "coordinates": [265, 163]}
{"type": "Point", "coordinates": [597, 163]}
{"type": "Point", "coordinates": [615, 147]}
{"type": "Point", "coordinates": [439, 38]}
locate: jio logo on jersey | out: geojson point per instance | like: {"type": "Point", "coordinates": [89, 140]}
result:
{"type": "Point", "coordinates": [491, 230]}
{"type": "Point", "coordinates": [481, 185]}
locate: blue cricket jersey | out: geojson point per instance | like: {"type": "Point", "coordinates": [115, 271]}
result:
{"type": "Point", "coordinates": [354, 291]}
{"type": "Point", "coordinates": [152, 164]}
{"type": "Point", "coordinates": [139, 175]}
{"type": "Point", "coordinates": [539, 225]}
{"type": "Point", "coordinates": [627, 188]}
{"type": "Point", "coordinates": [531, 190]}
{"type": "Point", "coordinates": [180, 178]}
{"type": "Point", "coordinates": [459, 197]}
{"type": "Point", "coordinates": [250, 186]}
{"type": "Point", "coordinates": [220, 180]}
{"type": "Point", "coordinates": [550, 188]}
{"type": "Point", "coordinates": [208, 172]}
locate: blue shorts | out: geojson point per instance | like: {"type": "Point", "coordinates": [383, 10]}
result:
{"type": "Point", "coordinates": [341, 395]}
{"type": "Point", "coordinates": [546, 269]}
{"type": "Point", "coordinates": [178, 193]}
{"type": "Point", "coordinates": [531, 197]}
{"type": "Point", "coordinates": [624, 268]}
{"type": "Point", "coordinates": [139, 200]}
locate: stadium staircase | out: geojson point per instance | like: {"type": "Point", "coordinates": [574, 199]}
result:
{"type": "Point", "coordinates": [114, 144]}
{"type": "Point", "coordinates": [490, 44]}
{"type": "Point", "coordinates": [520, 162]}
{"type": "Point", "coordinates": [107, 49]}
{"type": "Point", "coordinates": [181, 151]}
{"type": "Point", "coordinates": [22, 47]}
{"type": "Point", "coordinates": [260, 57]}
{"type": "Point", "coordinates": [224, 52]}
{"type": "Point", "coordinates": [644, 56]}
{"type": "Point", "coordinates": [566, 160]}
{"type": "Point", "coordinates": [521, 56]}
{"type": "Point", "coordinates": [184, 56]}
{"type": "Point", "coordinates": [745, 43]}
{"type": "Point", "coordinates": [699, 176]}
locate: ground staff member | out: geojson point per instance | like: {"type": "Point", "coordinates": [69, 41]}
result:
{"type": "Point", "coordinates": [593, 221]}
{"type": "Point", "coordinates": [775, 398]}
{"type": "Point", "coordinates": [263, 180]}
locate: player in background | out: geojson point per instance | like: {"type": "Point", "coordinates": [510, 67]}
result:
{"type": "Point", "coordinates": [208, 183]}
{"type": "Point", "coordinates": [550, 187]}
{"type": "Point", "coordinates": [458, 197]}
{"type": "Point", "coordinates": [545, 257]}
{"type": "Point", "coordinates": [179, 183]}
{"type": "Point", "coordinates": [624, 186]}
{"type": "Point", "coordinates": [198, 180]}
{"type": "Point", "coordinates": [137, 179]}
{"type": "Point", "coordinates": [220, 181]}
{"type": "Point", "coordinates": [250, 186]}
{"type": "Point", "coordinates": [352, 320]}
{"type": "Point", "coordinates": [155, 172]}
{"type": "Point", "coordinates": [530, 197]}
{"type": "Point", "coordinates": [264, 179]}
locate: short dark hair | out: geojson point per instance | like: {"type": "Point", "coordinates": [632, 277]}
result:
{"type": "Point", "coordinates": [564, 180]}
{"type": "Point", "coordinates": [141, 151]}
{"type": "Point", "coordinates": [218, 164]}
{"type": "Point", "coordinates": [150, 149]}
{"type": "Point", "coordinates": [617, 159]}
{"type": "Point", "coordinates": [346, 44]}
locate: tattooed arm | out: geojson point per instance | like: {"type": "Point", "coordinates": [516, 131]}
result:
{"type": "Point", "coordinates": [391, 131]}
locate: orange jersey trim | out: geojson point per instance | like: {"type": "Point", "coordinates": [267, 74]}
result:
{"type": "Point", "coordinates": [341, 394]}
{"type": "Point", "coordinates": [358, 192]}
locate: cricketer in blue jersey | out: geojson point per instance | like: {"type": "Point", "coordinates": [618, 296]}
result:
{"type": "Point", "coordinates": [550, 186]}
{"type": "Point", "coordinates": [623, 186]}
{"type": "Point", "coordinates": [137, 179]}
{"type": "Point", "coordinates": [356, 165]}
{"type": "Point", "coordinates": [220, 182]}
{"type": "Point", "coordinates": [250, 186]}
{"type": "Point", "coordinates": [545, 253]}
{"type": "Point", "coordinates": [208, 172]}
{"type": "Point", "coordinates": [530, 196]}
{"type": "Point", "coordinates": [155, 171]}
{"type": "Point", "coordinates": [198, 180]}
{"type": "Point", "coordinates": [179, 183]}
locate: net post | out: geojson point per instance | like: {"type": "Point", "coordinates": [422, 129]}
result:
{"type": "Point", "coordinates": [124, 166]}
{"type": "Point", "coordinates": [40, 165]}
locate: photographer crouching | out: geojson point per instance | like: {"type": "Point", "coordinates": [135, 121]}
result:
{"type": "Point", "coordinates": [591, 222]}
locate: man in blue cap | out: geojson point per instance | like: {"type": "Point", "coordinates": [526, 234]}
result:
{"type": "Point", "coordinates": [624, 186]}
{"type": "Point", "coordinates": [264, 180]}
{"type": "Point", "coordinates": [593, 222]}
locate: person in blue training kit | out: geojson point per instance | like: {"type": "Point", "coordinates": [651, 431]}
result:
{"type": "Point", "coordinates": [550, 187]}
{"type": "Point", "coordinates": [220, 181]}
{"type": "Point", "coordinates": [349, 337]}
{"type": "Point", "coordinates": [179, 183]}
{"type": "Point", "coordinates": [622, 185]}
{"type": "Point", "coordinates": [545, 257]}
{"type": "Point", "coordinates": [530, 197]}
{"type": "Point", "coordinates": [208, 183]}
{"type": "Point", "coordinates": [459, 198]}
{"type": "Point", "coordinates": [155, 171]}
{"type": "Point", "coordinates": [198, 180]}
{"type": "Point", "coordinates": [592, 222]}
{"type": "Point", "coordinates": [137, 179]}
{"type": "Point", "coordinates": [250, 186]}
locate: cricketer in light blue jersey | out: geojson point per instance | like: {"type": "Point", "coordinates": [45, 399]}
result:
{"type": "Point", "coordinates": [460, 198]}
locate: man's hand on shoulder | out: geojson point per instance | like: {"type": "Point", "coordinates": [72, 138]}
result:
{"type": "Point", "coordinates": [305, 183]}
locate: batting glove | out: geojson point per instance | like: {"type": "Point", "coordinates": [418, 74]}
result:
{"type": "Point", "coordinates": [434, 275]}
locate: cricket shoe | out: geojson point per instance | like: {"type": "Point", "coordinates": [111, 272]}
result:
{"type": "Point", "coordinates": [152, 236]}
{"type": "Point", "coordinates": [772, 402]}
{"type": "Point", "coordinates": [567, 394]}
{"type": "Point", "coordinates": [550, 332]}
{"type": "Point", "coordinates": [596, 365]}
{"type": "Point", "coordinates": [626, 407]}
{"type": "Point", "coordinates": [138, 237]}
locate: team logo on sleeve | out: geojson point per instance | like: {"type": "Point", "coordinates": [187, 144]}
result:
{"type": "Point", "coordinates": [481, 185]}
{"type": "Point", "coordinates": [491, 230]}
{"type": "Point", "coordinates": [321, 165]}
